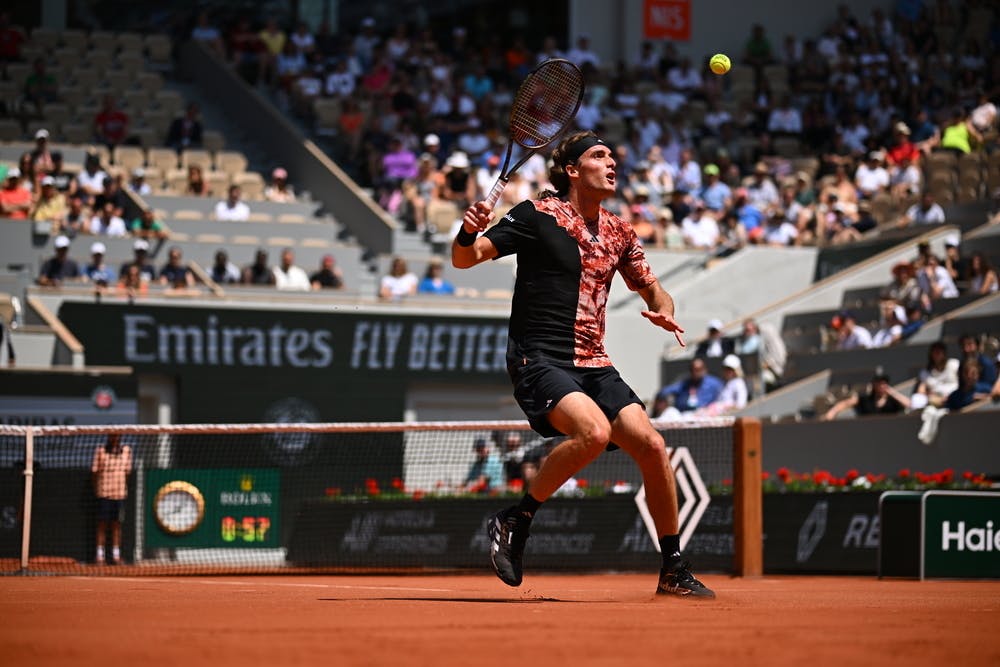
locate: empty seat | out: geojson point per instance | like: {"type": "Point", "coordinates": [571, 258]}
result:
{"type": "Point", "coordinates": [151, 82]}
{"type": "Point", "coordinates": [128, 157]}
{"type": "Point", "coordinates": [129, 42]}
{"type": "Point", "coordinates": [160, 51]}
{"type": "Point", "coordinates": [218, 182]}
{"type": "Point", "coordinates": [198, 157]}
{"type": "Point", "coordinates": [231, 162]}
{"type": "Point", "coordinates": [212, 140]}
{"type": "Point", "coordinates": [251, 183]}
{"type": "Point", "coordinates": [163, 159]}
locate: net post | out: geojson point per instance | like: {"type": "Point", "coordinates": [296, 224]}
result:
{"type": "Point", "coordinates": [29, 475]}
{"type": "Point", "coordinates": [748, 521]}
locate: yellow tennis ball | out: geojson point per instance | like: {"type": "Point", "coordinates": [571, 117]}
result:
{"type": "Point", "coordinates": [719, 63]}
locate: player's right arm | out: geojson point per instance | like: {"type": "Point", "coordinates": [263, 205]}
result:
{"type": "Point", "coordinates": [475, 220]}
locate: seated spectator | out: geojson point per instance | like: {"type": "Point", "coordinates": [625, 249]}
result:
{"type": "Point", "coordinates": [51, 204]}
{"type": "Point", "coordinates": [906, 180]}
{"type": "Point", "coordinates": [208, 34]}
{"type": "Point", "coordinates": [904, 288]}
{"type": "Point", "coordinates": [486, 472]}
{"type": "Point", "coordinates": [279, 190]}
{"type": "Point", "coordinates": [196, 185]}
{"type": "Point", "coordinates": [732, 234]}
{"type": "Point", "coordinates": [111, 193]}
{"type": "Point", "coordinates": [77, 218]}
{"type": "Point", "coordinates": [750, 217]}
{"type": "Point", "coordinates": [91, 179]}
{"type": "Point", "coordinates": [982, 275]}
{"type": "Point", "coordinates": [935, 283]}
{"type": "Point", "coordinates": [850, 334]}
{"type": "Point", "coordinates": [937, 380]}
{"type": "Point", "coordinates": [778, 232]}
{"type": "Point", "coordinates": [98, 272]}
{"type": "Point", "coordinates": [175, 273]}
{"type": "Point", "coordinates": [734, 394]}
{"type": "Point", "coordinates": [146, 226]}
{"type": "Point", "coordinates": [232, 208]}
{"type": "Point", "coordinates": [700, 229]}
{"type": "Point", "coordinates": [65, 181]}
{"type": "Point", "coordinates": [749, 341]}
{"type": "Point", "coordinates": [288, 276]}
{"type": "Point", "coordinates": [140, 260]}
{"type": "Point", "coordinates": [969, 389]}
{"type": "Point", "coordinates": [15, 199]}
{"type": "Point", "coordinates": [131, 282]}
{"type": "Point", "coordinates": [223, 271]}
{"type": "Point", "coordinates": [953, 261]}
{"type": "Point", "coordinates": [111, 124]}
{"type": "Point", "coordinates": [185, 131]}
{"type": "Point", "coordinates": [715, 345]}
{"type": "Point", "coordinates": [328, 276]}
{"type": "Point", "coordinates": [138, 184]}
{"type": "Point", "coordinates": [984, 117]}
{"type": "Point", "coordinates": [761, 190]}
{"type": "Point", "coordinates": [758, 51]}
{"type": "Point", "coordinates": [41, 156]}
{"type": "Point", "coordinates": [59, 268]}
{"type": "Point", "coordinates": [970, 351]}
{"type": "Point", "coordinates": [893, 318]}
{"type": "Point", "coordinates": [903, 151]}
{"type": "Point", "coordinates": [785, 119]}
{"type": "Point", "coordinates": [433, 281]}
{"type": "Point", "coordinates": [715, 194]}
{"type": "Point", "coordinates": [399, 282]}
{"type": "Point", "coordinates": [881, 399]}
{"type": "Point", "coordinates": [959, 135]}
{"type": "Point", "coordinates": [925, 212]}
{"type": "Point", "coordinates": [258, 273]}
{"type": "Point", "coordinates": [106, 223]}
{"type": "Point", "coordinates": [871, 177]}
{"type": "Point", "coordinates": [514, 455]}
{"type": "Point", "coordinates": [698, 390]}
{"type": "Point", "coordinates": [914, 321]}
{"type": "Point", "coordinates": [670, 231]}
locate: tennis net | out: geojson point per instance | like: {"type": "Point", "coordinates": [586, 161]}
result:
{"type": "Point", "coordinates": [373, 497]}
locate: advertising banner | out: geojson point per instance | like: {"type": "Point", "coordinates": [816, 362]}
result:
{"type": "Point", "coordinates": [666, 19]}
{"type": "Point", "coordinates": [961, 535]}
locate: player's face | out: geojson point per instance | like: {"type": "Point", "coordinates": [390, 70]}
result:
{"type": "Point", "coordinates": [595, 170]}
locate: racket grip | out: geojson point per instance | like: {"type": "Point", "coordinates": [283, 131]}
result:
{"type": "Point", "coordinates": [494, 196]}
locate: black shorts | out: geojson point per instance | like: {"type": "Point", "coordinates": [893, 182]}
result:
{"type": "Point", "coordinates": [109, 510]}
{"type": "Point", "coordinates": [540, 384]}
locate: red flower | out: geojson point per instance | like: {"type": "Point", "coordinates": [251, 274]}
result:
{"type": "Point", "coordinates": [332, 491]}
{"type": "Point", "coordinates": [784, 474]}
{"type": "Point", "coordinates": [948, 475]}
{"type": "Point", "coordinates": [371, 486]}
{"type": "Point", "coordinates": [581, 483]}
{"type": "Point", "coordinates": [727, 482]}
{"type": "Point", "coordinates": [516, 484]}
{"type": "Point", "coordinates": [397, 483]}
{"type": "Point", "coordinates": [418, 494]}
{"type": "Point", "coordinates": [922, 478]}
{"type": "Point", "coordinates": [904, 473]}
{"type": "Point", "coordinates": [822, 477]}
{"type": "Point", "coordinates": [968, 475]}
{"type": "Point", "coordinates": [765, 475]}
{"type": "Point", "coordinates": [852, 475]}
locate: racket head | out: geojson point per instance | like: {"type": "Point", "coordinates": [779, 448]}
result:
{"type": "Point", "coordinates": [546, 103]}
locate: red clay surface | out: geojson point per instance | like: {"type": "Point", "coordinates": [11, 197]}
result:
{"type": "Point", "coordinates": [556, 620]}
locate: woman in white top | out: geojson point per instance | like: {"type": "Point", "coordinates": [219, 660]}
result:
{"type": "Point", "coordinates": [734, 392]}
{"type": "Point", "coordinates": [399, 283]}
{"type": "Point", "coordinates": [938, 380]}
{"type": "Point", "coordinates": [982, 275]}
{"type": "Point", "coordinates": [893, 319]}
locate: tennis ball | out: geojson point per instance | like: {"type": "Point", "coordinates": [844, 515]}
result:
{"type": "Point", "coordinates": [719, 63]}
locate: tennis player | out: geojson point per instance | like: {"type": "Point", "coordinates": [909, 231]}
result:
{"type": "Point", "coordinates": [568, 248]}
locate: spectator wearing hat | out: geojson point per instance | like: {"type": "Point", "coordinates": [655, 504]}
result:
{"type": "Point", "coordinates": [232, 208]}
{"type": "Point", "coordinates": [329, 275]}
{"type": "Point", "coordinates": [106, 223]}
{"type": "Point", "coordinates": [902, 148]}
{"type": "Point", "coordinates": [459, 185]}
{"type": "Point", "coordinates": [700, 229]}
{"type": "Point", "coordinates": [778, 232]}
{"type": "Point", "coordinates": [59, 268]}
{"type": "Point", "coordinates": [186, 131]}
{"type": "Point", "coordinates": [15, 199]}
{"type": "Point", "coordinates": [51, 204]}
{"type": "Point", "coordinates": [925, 212]}
{"type": "Point", "coordinates": [41, 156]}
{"type": "Point", "coordinates": [670, 231]}
{"type": "Point", "coordinates": [223, 271]}
{"type": "Point", "coordinates": [716, 194]}
{"type": "Point", "coordinates": [140, 261]}
{"type": "Point", "coordinates": [432, 147]}
{"type": "Point", "coordinates": [98, 271]}
{"type": "Point", "coordinates": [734, 394]}
{"type": "Point", "coordinates": [434, 281]}
{"type": "Point", "coordinates": [893, 317]}
{"type": "Point", "coordinates": [715, 345]}
{"type": "Point", "coordinates": [871, 178]}
{"type": "Point", "coordinates": [761, 190]}
{"type": "Point", "coordinates": [850, 334]}
{"type": "Point", "coordinates": [175, 273]}
{"type": "Point", "coordinates": [486, 472]}
{"type": "Point", "coordinates": [880, 399]}
{"type": "Point", "coordinates": [279, 190]}
{"type": "Point", "coordinates": [147, 226]}
{"type": "Point", "coordinates": [138, 184]}
{"type": "Point", "coordinates": [904, 288]}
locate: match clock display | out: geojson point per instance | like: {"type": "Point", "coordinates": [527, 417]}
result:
{"type": "Point", "coordinates": [179, 507]}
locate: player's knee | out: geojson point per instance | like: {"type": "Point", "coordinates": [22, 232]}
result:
{"type": "Point", "coordinates": [651, 447]}
{"type": "Point", "coordinates": [595, 435]}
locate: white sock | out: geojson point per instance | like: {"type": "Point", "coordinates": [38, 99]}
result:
{"type": "Point", "coordinates": [116, 553]}
{"type": "Point", "coordinates": [100, 554]}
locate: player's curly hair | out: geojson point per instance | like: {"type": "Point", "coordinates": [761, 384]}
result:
{"type": "Point", "coordinates": [557, 172]}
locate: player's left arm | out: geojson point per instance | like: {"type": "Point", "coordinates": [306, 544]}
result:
{"type": "Point", "coordinates": [661, 309]}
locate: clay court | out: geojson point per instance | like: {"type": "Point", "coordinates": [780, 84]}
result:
{"type": "Point", "coordinates": [473, 619]}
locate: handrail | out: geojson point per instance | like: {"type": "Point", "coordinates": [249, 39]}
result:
{"type": "Point", "coordinates": [203, 276]}
{"type": "Point", "coordinates": [59, 329]}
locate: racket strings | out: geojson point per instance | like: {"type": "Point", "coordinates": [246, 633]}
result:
{"type": "Point", "coordinates": [545, 104]}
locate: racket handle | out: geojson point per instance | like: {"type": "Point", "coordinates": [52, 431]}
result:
{"type": "Point", "coordinates": [494, 196]}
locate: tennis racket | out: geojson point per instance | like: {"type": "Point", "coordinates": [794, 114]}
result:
{"type": "Point", "coordinates": [545, 104]}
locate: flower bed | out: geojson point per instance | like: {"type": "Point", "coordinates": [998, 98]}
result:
{"type": "Point", "coordinates": [784, 480]}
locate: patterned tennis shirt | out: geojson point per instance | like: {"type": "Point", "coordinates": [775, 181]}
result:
{"type": "Point", "coordinates": [564, 273]}
{"type": "Point", "coordinates": [112, 472]}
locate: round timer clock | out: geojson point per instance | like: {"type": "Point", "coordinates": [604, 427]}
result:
{"type": "Point", "coordinates": [179, 507]}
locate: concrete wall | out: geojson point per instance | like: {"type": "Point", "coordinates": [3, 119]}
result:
{"type": "Point", "coordinates": [313, 170]}
{"type": "Point", "coordinates": [885, 444]}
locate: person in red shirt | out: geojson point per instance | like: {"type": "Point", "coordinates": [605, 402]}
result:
{"type": "Point", "coordinates": [111, 123]}
{"type": "Point", "coordinates": [10, 40]}
{"type": "Point", "coordinates": [903, 149]}
{"type": "Point", "coordinates": [15, 199]}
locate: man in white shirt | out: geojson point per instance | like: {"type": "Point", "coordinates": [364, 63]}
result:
{"type": "Point", "coordinates": [871, 177]}
{"type": "Point", "coordinates": [232, 208]}
{"type": "Point", "coordinates": [106, 223]}
{"type": "Point", "coordinates": [582, 53]}
{"type": "Point", "coordinates": [926, 212]}
{"type": "Point", "coordinates": [287, 276]}
{"type": "Point", "coordinates": [785, 119]}
{"type": "Point", "coordinates": [852, 335]}
{"type": "Point", "coordinates": [700, 229]}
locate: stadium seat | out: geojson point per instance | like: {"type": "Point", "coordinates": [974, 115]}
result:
{"type": "Point", "coordinates": [58, 113]}
{"type": "Point", "coordinates": [218, 182]}
{"type": "Point", "coordinates": [129, 42]}
{"type": "Point", "coordinates": [197, 157]}
{"type": "Point", "coordinates": [176, 181]}
{"type": "Point", "coordinates": [212, 140]}
{"type": "Point", "coordinates": [76, 133]}
{"type": "Point", "coordinates": [128, 157]}
{"type": "Point", "coordinates": [151, 82]}
{"type": "Point", "coordinates": [145, 135]}
{"type": "Point", "coordinates": [170, 101]}
{"type": "Point", "coordinates": [46, 37]}
{"type": "Point", "coordinates": [251, 183]}
{"type": "Point", "coordinates": [163, 159]}
{"type": "Point", "coordinates": [327, 113]}
{"type": "Point", "coordinates": [10, 130]}
{"type": "Point", "coordinates": [159, 49]}
{"type": "Point", "coordinates": [188, 214]}
{"type": "Point", "coordinates": [18, 74]}
{"type": "Point", "coordinates": [74, 39]}
{"type": "Point", "coordinates": [98, 60]}
{"type": "Point", "coordinates": [787, 147]}
{"type": "Point", "coordinates": [291, 217]}
{"type": "Point", "coordinates": [231, 162]}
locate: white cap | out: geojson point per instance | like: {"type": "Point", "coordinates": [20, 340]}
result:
{"type": "Point", "coordinates": [48, 180]}
{"type": "Point", "coordinates": [138, 172]}
{"type": "Point", "coordinates": [42, 134]}
{"type": "Point", "coordinates": [900, 313]}
{"type": "Point", "coordinates": [13, 172]}
{"type": "Point", "coordinates": [140, 244]}
{"type": "Point", "coordinates": [732, 361]}
{"type": "Point", "coordinates": [61, 241]}
{"type": "Point", "coordinates": [432, 140]}
{"type": "Point", "coordinates": [952, 240]}
{"type": "Point", "coordinates": [715, 324]}
{"type": "Point", "coordinates": [458, 160]}
{"type": "Point", "coordinates": [97, 248]}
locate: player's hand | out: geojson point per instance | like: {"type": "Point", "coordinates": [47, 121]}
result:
{"type": "Point", "coordinates": [477, 217]}
{"type": "Point", "coordinates": [667, 322]}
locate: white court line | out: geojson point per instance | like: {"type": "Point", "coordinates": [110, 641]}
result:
{"type": "Point", "coordinates": [251, 584]}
